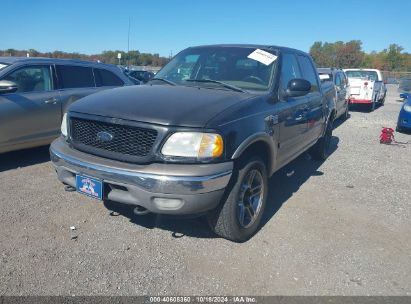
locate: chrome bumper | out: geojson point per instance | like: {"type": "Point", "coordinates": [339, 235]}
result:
{"type": "Point", "coordinates": [199, 187]}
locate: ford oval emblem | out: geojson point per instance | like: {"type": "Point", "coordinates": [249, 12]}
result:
{"type": "Point", "coordinates": [104, 136]}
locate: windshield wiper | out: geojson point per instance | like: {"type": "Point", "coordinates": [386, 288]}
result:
{"type": "Point", "coordinates": [165, 80]}
{"type": "Point", "coordinates": [226, 85]}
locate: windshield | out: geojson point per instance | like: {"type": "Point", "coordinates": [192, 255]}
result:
{"type": "Point", "coordinates": [3, 65]}
{"type": "Point", "coordinates": [369, 75]}
{"type": "Point", "coordinates": [222, 67]}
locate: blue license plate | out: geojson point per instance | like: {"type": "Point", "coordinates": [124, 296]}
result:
{"type": "Point", "coordinates": [89, 186]}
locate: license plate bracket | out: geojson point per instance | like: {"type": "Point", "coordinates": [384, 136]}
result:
{"type": "Point", "coordinates": [89, 186]}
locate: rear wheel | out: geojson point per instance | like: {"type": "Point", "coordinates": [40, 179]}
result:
{"type": "Point", "coordinates": [382, 101]}
{"type": "Point", "coordinates": [347, 112]}
{"type": "Point", "coordinates": [240, 212]}
{"type": "Point", "coordinates": [321, 150]}
{"type": "Point", "coordinates": [372, 106]}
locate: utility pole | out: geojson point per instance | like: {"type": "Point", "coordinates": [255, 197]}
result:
{"type": "Point", "coordinates": [128, 43]}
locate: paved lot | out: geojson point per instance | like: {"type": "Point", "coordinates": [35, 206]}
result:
{"type": "Point", "coordinates": [341, 227]}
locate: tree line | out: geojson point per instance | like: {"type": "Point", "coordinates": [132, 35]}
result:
{"type": "Point", "coordinates": [127, 58]}
{"type": "Point", "coordinates": [325, 54]}
{"type": "Point", "coordinates": [350, 55]}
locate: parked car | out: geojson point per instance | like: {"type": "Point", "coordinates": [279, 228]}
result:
{"type": "Point", "coordinates": [141, 75]}
{"type": "Point", "coordinates": [203, 139]}
{"type": "Point", "coordinates": [404, 87]}
{"type": "Point", "coordinates": [342, 88]}
{"type": "Point", "coordinates": [366, 87]}
{"type": "Point", "coordinates": [125, 70]}
{"type": "Point", "coordinates": [35, 93]}
{"type": "Point", "coordinates": [404, 118]}
{"type": "Point", "coordinates": [404, 96]}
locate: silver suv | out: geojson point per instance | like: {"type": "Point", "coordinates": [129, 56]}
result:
{"type": "Point", "coordinates": [35, 93]}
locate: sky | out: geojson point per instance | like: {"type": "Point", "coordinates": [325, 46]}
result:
{"type": "Point", "coordinates": [168, 26]}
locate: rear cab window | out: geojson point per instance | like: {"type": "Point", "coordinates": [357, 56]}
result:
{"type": "Point", "coordinates": [105, 78]}
{"type": "Point", "coordinates": [71, 76]}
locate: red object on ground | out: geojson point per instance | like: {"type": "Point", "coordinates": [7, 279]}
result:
{"type": "Point", "coordinates": [387, 136]}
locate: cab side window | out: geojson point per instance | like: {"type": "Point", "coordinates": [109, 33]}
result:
{"type": "Point", "coordinates": [106, 78]}
{"type": "Point", "coordinates": [31, 79]}
{"type": "Point", "coordinates": [289, 70]}
{"type": "Point", "coordinates": [75, 77]}
{"type": "Point", "coordinates": [309, 73]}
{"type": "Point", "coordinates": [338, 82]}
{"type": "Point", "coordinates": [344, 80]}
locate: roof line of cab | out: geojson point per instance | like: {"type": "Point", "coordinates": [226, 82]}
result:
{"type": "Point", "coordinates": [12, 60]}
{"type": "Point", "coordinates": [259, 46]}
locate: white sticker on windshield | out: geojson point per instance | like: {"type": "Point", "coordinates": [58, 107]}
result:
{"type": "Point", "coordinates": [262, 56]}
{"type": "Point", "coordinates": [2, 66]}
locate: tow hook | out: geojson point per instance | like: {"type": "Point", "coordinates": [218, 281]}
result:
{"type": "Point", "coordinates": [69, 188]}
{"type": "Point", "coordinates": [139, 210]}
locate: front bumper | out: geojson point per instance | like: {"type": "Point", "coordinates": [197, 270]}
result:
{"type": "Point", "coordinates": [160, 188]}
{"type": "Point", "coordinates": [360, 101]}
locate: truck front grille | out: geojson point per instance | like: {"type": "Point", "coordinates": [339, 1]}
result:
{"type": "Point", "coordinates": [115, 141]}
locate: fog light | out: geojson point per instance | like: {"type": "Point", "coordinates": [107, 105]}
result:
{"type": "Point", "coordinates": [168, 203]}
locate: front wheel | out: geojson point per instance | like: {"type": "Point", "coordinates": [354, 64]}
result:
{"type": "Point", "coordinates": [321, 150]}
{"type": "Point", "coordinates": [239, 215]}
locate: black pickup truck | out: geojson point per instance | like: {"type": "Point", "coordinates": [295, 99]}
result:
{"type": "Point", "coordinates": [202, 137]}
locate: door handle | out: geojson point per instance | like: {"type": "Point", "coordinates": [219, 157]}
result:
{"type": "Point", "coordinates": [51, 101]}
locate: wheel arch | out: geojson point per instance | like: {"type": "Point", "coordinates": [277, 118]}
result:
{"type": "Point", "coordinates": [259, 144]}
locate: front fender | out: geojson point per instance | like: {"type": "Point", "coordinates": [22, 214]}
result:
{"type": "Point", "coordinates": [261, 137]}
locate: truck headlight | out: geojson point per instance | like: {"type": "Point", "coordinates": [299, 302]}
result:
{"type": "Point", "coordinates": [407, 108]}
{"type": "Point", "coordinates": [194, 144]}
{"type": "Point", "coordinates": [64, 125]}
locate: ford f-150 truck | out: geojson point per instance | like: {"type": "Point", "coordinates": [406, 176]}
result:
{"type": "Point", "coordinates": [202, 137]}
{"type": "Point", "coordinates": [366, 87]}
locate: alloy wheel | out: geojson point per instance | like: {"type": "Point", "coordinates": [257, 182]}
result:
{"type": "Point", "coordinates": [250, 198]}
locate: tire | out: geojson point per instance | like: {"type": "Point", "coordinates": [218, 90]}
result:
{"type": "Point", "coordinates": [382, 101]}
{"type": "Point", "coordinates": [320, 151]}
{"type": "Point", "coordinates": [232, 219]}
{"type": "Point", "coordinates": [372, 106]}
{"type": "Point", "coordinates": [346, 114]}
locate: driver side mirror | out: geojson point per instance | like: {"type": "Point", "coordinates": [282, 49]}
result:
{"type": "Point", "coordinates": [7, 86]}
{"type": "Point", "coordinates": [298, 87]}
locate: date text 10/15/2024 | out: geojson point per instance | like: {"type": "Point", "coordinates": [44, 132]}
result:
{"type": "Point", "coordinates": [202, 299]}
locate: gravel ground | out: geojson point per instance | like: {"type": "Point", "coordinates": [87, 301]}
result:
{"type": "Point", "coordinates": [341, 227]}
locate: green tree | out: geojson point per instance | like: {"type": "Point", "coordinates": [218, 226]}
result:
{"type": "Point", "coordinates": [394, 58]}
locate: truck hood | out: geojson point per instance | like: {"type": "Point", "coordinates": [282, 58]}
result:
{"type": "Point", "coordinates": [160, 104]}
